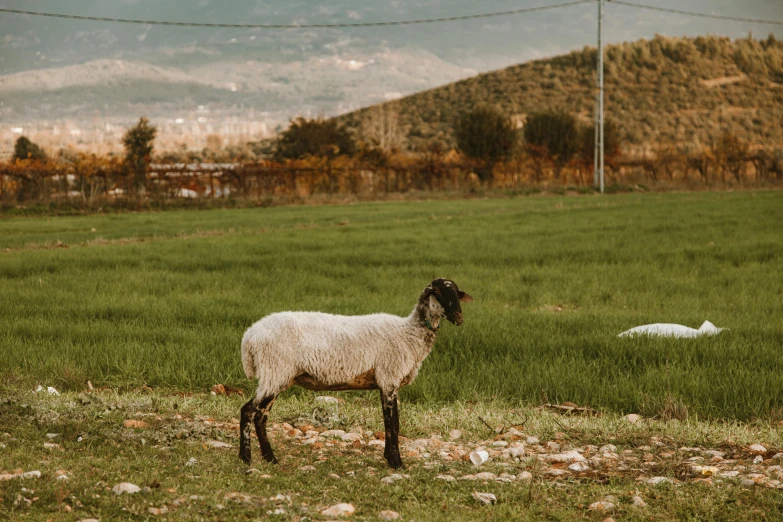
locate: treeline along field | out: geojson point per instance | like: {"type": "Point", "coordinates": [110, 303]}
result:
{"type": "Point", "coordinates": [163, 298]}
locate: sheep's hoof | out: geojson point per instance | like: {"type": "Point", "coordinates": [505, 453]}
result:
{"type": "Point", "coordinates": [270, 459]}
{"type": "Point", "coordinates": [245, 456]}
{"type": "Point", "coordinates": [395, 463]}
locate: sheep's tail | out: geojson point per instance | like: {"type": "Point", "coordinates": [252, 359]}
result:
{"type": "Point", "coordinates": [248, 360]}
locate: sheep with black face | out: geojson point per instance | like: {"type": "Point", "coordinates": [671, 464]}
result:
{"type": "Point", "coordinates": [321, 351]}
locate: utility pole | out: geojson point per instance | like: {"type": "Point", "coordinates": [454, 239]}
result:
{"type": "Point", "coordinates": [598, 160]}
{"type": "Point", "coordinates": [595, 141]}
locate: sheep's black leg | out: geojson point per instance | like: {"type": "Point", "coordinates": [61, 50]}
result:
{"type": "Point", "coordinates": [246, 416]}
{"type": "Point", "coordinates": [391, 421]}
{"type": "Point", "coordinates": [264, 407]}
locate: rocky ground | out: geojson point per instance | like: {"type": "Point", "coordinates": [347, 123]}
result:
{"type": "Point", "coordinates": [103, 455]}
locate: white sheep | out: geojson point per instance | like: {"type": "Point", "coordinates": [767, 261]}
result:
{"type": "Point", "coordinates": [336, 352]}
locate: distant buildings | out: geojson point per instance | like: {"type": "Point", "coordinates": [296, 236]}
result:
{"type": "Point", "coordinates": [102, 135]}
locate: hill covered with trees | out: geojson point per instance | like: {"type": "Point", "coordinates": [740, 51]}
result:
{"type": "Point", "coordinates": [659, 92]}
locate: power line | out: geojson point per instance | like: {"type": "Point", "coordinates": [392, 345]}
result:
{"type": "Point", "coordinates": [701, 15]}
{"type": "Point", "coordinates": [299, 26]}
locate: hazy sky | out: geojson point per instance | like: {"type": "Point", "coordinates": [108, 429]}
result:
{"type": "Point", "coordinates": [30, 42]}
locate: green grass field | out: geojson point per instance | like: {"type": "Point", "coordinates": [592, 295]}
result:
{"type": "Point", "coordinates": [162, 299]}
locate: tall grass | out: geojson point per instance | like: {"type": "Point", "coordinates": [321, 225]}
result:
{"type": "Point", "coordinates": [163, 298]}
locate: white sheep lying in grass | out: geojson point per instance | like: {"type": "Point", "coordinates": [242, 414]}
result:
{"type": "Point", "coordinates": [336, 352]}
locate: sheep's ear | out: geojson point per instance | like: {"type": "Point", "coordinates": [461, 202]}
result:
{"type": "Point", "coordinates": [464, 298]}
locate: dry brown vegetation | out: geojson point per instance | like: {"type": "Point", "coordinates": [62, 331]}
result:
{"type": "Point", "coordinates": [89, 179]}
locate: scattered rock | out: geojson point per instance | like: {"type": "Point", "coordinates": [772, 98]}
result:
{"type": "Point", "coordinates": [514, 432]}
{"type": "Point", "coordinates": [336, 434]}
{"type": "Point", "coordinates": [191, 462]}
{"type": "Point", "coordinates": [608, 448]}
{"type": "Point", "coordinates": [455, 434]}
{"type": "Point", "coordinates": [532, 440]}
{"type": "Point", "coordinates": [638, 502]}
{"type": "Point", "coordinates": [714, 453]}
{"type": "Point", "coordinates": [339, 510]}
{"type": "Point", "coordinates": [758, 459]}
{"type": "Point", "coordinates": [601, 505]}
{"type": "Point", "coordinates": [579, 466]}
{"type": "Point", "coordinates": [632, 418]}
{"type": "Point", "coordinates": [568, 456]}
{"type": "Point", "coordinates": [485, 475]}
{"type": "Point", "coordinates": [238, 497]}
{"type": "Point", "coordinates": [125, 487]}
{"type": "Point", "coordinates": [394, 477]}
{"type": "Point", "coordinates": [137, 424]}
{"type": "Point", "coordinates": [484, 498]}
{"type": "Point", "coordinates": [52, 435]}
{"type": "Point", "coordinates": [307, 468]}
{"type": "Point", "coordinates": [660, 480]}
{"type": "Point", "coordinates": [388, 515]}
{"type": "Point", "coordinates": [325, 399]}
{"type": "Point", "coordinates": [757, 448]}
{"type": "Point", "coordinates": [334, 476]}
{"type": "Point", "coordinates": [51, 446]}
{"type": "Point", "coordinates": [157, 511]}
{"type": "Point", "coordinates": [445, 478]}
{"type": "Point", "coordinates": [517, 451]}
{"type": "Point", "coordinates": [218, 444]}
{"type": "Point", "coordinates": [525, 476]}
{"type": "Point", "coordinates": [351, 437]}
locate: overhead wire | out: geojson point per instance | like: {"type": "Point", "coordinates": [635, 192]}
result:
{"type": "Point", "coordinates": [391, 22]}
{"type": "Point", "coordinates": [299, 26]}
{"type": "Point", "coordinates": [693, 13]}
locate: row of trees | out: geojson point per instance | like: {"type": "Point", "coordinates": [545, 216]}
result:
{"type": "Point", "coordinates": [321, 156]}
{"type": "Point", "coordinates": [485, 137]}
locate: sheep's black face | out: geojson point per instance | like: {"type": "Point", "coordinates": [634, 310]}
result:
{"type": "Point", "coordinates": [447, 294]}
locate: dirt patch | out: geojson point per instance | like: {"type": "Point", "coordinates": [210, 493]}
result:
{"type": "Point", "coordinates": [723, 80]}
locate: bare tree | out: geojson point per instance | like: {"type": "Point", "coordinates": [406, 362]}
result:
{"type": "Point", "coordinates": [381, 128]}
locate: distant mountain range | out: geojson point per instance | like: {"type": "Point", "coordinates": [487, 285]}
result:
{"type": "Point", "coordinates": [325, 85]}
{"type": "Point", "coordinates": [53, 68]}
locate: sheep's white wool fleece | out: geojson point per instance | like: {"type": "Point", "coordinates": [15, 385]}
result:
{"type": "Point", "coordinates": [333, 349]}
